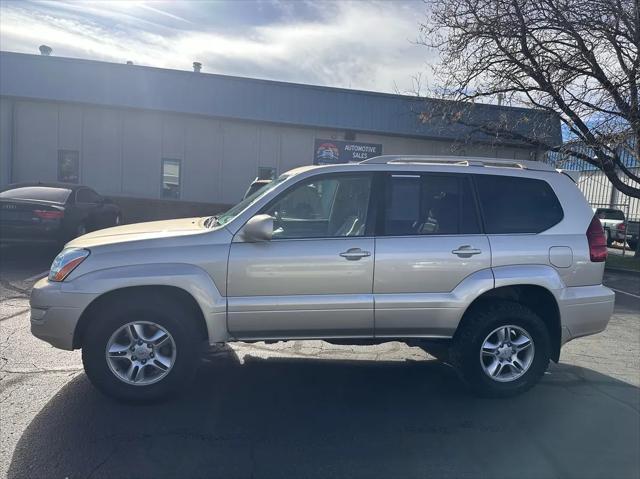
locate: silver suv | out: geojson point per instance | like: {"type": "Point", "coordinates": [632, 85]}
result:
{"type": "Point", "coordinates": [490, 265]}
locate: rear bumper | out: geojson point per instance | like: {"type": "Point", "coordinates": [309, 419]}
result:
{"type": "Point", "coordinates": [40, 232]}
{"type": "Point", "coordinates": [55, 312]}
{"type": "Point", "coordinates": [585, 310]}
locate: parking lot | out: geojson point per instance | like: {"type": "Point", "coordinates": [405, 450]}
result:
{"type": "Point", "coordinates": [310, 409]}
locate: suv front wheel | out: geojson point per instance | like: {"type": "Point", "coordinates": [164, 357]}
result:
{"type": "Point", "coordinates": [141, 349]}
{"type": "Point", "coordinates": [501, 349]}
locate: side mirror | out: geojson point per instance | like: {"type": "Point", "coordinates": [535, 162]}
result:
{"type": "Point", "coordinates": [258, 228]}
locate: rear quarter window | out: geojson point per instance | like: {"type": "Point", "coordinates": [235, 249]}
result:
{"type": "Point", "coordinates": [517, 205]}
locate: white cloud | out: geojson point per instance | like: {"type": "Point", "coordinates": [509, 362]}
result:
{"type": "Point", "coordinates": [347, 44]}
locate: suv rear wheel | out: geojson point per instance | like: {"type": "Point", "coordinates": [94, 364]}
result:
{"type": "Point", "coordinates": [501, 349]}
{"type": "Point", "coordinates": [141, 350]}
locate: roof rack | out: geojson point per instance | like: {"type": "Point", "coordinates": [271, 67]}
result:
{"type": "Point", "coordinates": [458, 161]}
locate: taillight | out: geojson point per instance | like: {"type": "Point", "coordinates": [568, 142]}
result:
{"type": "Point", "coordinates": [49, 214]}
{"type": "Point", "coordinates": [621, 227]}
{"type": "Point", "coordinates": [597, 241]}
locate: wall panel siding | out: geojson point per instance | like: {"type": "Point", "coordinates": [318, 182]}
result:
{"type": "Point", "coordinates": [173, 127]}
{"type": "Point", "coordinates": [36, 141]}
{"type": "Point", "coordinates": [121, 150]}
{"type": "Point", "coordinates": [203, 160]}
{"type": "Point", "coordinates": [269, 148]}
{"type": "Point", "coordinates": [141, 153]}
{"type": "Point", "coordinates": [101, 154]}
{"type": "Point", "coordinates": [70, 127]}
{"type": "Point", "coordinates": [240, 159]}
{"type": "Point", "coordinates": [296, 148]}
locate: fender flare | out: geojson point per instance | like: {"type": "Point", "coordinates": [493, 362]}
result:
{"type": "Point", "coordinates": [190, 278]}
{"type": "Point", "coordinates": [529, 274]}
{"type": "Point", "coordinates": [541, 276]}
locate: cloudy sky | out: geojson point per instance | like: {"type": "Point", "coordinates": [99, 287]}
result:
{"type": "Point", "coordinates": [363, 45]}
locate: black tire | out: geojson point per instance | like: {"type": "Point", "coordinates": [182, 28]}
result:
{"type": "Point", "coordinates": [477, 324]}
{"type": "Point", "coordinates": [163, 311]}
{"type": "Point", "coordinates": [632, 244]}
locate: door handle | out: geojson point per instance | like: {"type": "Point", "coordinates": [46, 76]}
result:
{"type": "Point", "coordinates": [466, 251]}
{"type": "Point", "coordinates": [354, 254]}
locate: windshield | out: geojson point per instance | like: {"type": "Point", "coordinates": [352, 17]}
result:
{"type": "Point", "coordinates": [43, 193]}
{"type": "Point", "coordinates": [224, 218]}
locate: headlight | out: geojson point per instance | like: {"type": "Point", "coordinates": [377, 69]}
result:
{"type": "Point", "coordinates": [66, 262]}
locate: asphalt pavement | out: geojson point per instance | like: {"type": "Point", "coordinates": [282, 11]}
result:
{"type": "Point", "coordinates": [311, 409]}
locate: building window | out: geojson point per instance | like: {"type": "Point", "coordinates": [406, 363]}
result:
{"type": "Point", "coordinates": [171, 178]}
{"type": "Point", "coordinates": [68, 166]}
{"type": "Point", "coordinates": [266, 173]}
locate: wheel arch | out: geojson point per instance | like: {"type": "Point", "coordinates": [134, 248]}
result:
{"type": "Point", "coordinates": [137, 293]}
{"type": "Point", "coordinates": [535, 297]}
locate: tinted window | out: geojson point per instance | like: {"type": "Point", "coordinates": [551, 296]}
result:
{"type": "Point", "coordinates": [607, 214]}
{"type": "Point", "coordinates": [44, 193]}
{"type": "Point", "coordinates": [85, 195]}
{"type": "Point", "coordinates": [323, 207]}
{"type": "Point", "coordinates": [517, 205]}
{"type": "Point", "coordinates": [429, 205]}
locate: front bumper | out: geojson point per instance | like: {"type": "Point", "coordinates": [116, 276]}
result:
{"type": "Point", "coordinates": [585, 310]}
{"type": "Point", "coordinates": [55, 312]}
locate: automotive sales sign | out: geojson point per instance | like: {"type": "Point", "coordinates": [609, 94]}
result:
{"type": "Point", "coordinates": [331, 152]}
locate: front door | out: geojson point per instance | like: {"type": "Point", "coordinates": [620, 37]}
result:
{"type": "Point", "coordinates": [314, 279]}
{"type": "Point", "coordinates": [430, 242]}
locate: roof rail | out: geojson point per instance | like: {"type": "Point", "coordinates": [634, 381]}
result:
{"type": "Point", "coordinates": [458, 161]}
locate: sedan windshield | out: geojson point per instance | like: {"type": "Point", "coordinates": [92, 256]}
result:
{"type": "Point", "coordinates": [224, 218]}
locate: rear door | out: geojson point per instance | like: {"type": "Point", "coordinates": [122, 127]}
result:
{"type": "Point", "coordinates": [90, 209]}
{"type": "Point", "coordinates": [429, 240]}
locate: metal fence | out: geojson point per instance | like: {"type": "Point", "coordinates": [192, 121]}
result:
{"type": "Point", "coordinates": [600, 193]}
{"type": "Point", "coordinates": [597, 188]}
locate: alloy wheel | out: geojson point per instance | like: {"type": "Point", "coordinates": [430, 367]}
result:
{"type": "Point", "coordinates": [140, 353]}
{"type": "Point", "coordinates": [507, 353]}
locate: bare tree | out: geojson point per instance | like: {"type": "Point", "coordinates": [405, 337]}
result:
{"type": "Point", "coordinates": [577, 59]}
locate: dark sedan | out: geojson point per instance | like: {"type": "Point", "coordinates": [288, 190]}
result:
{"type": "Point", "coordinates": [53, 212]}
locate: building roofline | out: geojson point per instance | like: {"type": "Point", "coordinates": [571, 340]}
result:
{"type": "Point", "coordinates": [310, 86]}
{"type": "Point", "coordinates": [120, 85]}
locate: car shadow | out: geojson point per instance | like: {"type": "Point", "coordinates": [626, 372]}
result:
{"type": "Point", "coordinates": [289, 417]}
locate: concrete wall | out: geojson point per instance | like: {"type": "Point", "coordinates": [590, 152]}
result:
{"type": "Point", "coordinates": [121, 150]}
